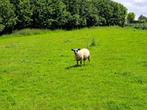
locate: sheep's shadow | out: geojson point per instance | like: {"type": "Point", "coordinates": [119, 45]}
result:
{"type": "Point", "coordinates": [73, 66]}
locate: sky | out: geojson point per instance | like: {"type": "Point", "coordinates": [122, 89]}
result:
{"type": "Point", "coordinates": [137, 6]}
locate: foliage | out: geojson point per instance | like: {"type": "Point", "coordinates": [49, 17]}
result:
{"type": "Point", "coordinates": [54, 14]}
{"type": "Point", "coordinates": [7, 16]}
{"type": "Point", "coordinates": [142, 26]}
{"type": "Point", "coordinates": [131, 17]}
{"type": "Point", "coordinates": [49, 14]}
{"type": "Point", "coordinates": [23, 12]}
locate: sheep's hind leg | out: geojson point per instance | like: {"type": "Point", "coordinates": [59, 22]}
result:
{"type": "Point", "coordinates": [77, 62]}
{"type": "Point", "coordinates": [81, 62]}
{"type": "Point", "coordinates": [84, 61]}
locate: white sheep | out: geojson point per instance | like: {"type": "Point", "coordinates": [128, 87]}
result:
{"type": "Point", "coordinates": [81, 55]}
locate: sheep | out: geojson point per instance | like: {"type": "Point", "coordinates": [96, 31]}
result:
{"type": "Point", "coordinates": [81, 55]}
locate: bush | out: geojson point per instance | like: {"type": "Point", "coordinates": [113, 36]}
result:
{"type": "Point", "coordinates": [138, 25]}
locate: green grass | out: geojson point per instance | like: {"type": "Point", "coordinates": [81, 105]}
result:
{"type": "Point", "coordinates": [37, 72]}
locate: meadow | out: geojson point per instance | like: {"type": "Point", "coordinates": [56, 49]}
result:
{"type": "Point", "coordinates": [38, 71]}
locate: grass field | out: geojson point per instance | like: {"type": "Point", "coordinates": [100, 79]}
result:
{"type": "Point", "coordinates": [38, 72]}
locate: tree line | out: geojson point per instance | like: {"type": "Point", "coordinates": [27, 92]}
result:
{"type": "Point", "coordinates": [131, 18]}
{"type": "Point", "coordinates": [54, 14]}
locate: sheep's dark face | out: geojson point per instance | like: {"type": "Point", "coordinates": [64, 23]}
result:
{"type": "Point", "coordinates": [75, 51]}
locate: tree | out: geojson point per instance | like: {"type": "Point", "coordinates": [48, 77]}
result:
{"type": "Point", "coordinates": [119, 14]}
{"type": "Point", "coordinates": [92, 16]}
{"type": "Point", "coordinates": [7, 16]}
{"type": "Point", "coordinates": [49, 14]}
{"type": "Point", "coordinates": [23, 12]}
{"type": "Point", "coordinates": [53, 14]}
{"type": "Point", "coordinates": [73, 8]}
{"type": "Point", "coordinates": [130, 17]}
{"type": "Point", "coordinates": [83, 11]}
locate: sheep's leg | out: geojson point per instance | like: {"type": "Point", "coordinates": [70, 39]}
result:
{"type": "Point", "coordinates": [84, 62]}
{"type": "Point", "coordinates": [77, 62]}
{"type": "Point", "coordinates": [89, 58]}
{"type": "Point", "coordinates": [81, 62]}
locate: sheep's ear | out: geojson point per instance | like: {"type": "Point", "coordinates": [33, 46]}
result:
{"type": "Point", "coordinates": [79, 49]}
{"type": "Point", "coordinates": [72, 49]}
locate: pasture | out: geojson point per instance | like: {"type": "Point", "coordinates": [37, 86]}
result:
{"type": "Point", "coordinates": [38, 71]}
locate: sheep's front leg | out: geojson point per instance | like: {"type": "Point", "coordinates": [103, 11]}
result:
{"type": "Point", "coordinates": [89, 58]}
{"type": "Point", "coordinates": [81, 62]}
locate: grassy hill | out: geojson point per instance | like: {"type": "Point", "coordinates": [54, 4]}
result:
{"type": "Point", "coordinates": [38, 72]}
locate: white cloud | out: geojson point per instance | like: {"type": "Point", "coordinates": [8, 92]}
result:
{"type": "Point", "coordinates": [138, 0]}
{"type": "Point", "coordinates": [137, 6]}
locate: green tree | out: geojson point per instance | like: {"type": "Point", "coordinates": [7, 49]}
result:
{"type": "Point", "coordinates": [119, 14]}
{"type": "Point", "coordinates": [7, 16]}
{"type": "Point", "coordinates": [130, 17]}
{"type": "Point", "coordinates": [72, 7]}
{"type": "Point", "coordinates": [60, 13]}
{"type": "Point", "coordinates": [92, 15]}
{"type": "Point", "coordinates": [49, 14]}
{"type": "Point", "coordinates": [83, 11]}
{"type": "Point", "coordinates": [23, 12]}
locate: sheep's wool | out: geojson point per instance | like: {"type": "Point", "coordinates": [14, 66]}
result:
{"type": "Point", "coordinates": [83, 54]}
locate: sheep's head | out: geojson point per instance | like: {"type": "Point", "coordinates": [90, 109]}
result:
{"type": "Point", "coordinates": [75, 51]}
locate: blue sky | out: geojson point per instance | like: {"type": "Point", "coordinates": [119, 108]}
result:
{"type": "Point", "coordinates": [137, 6]}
